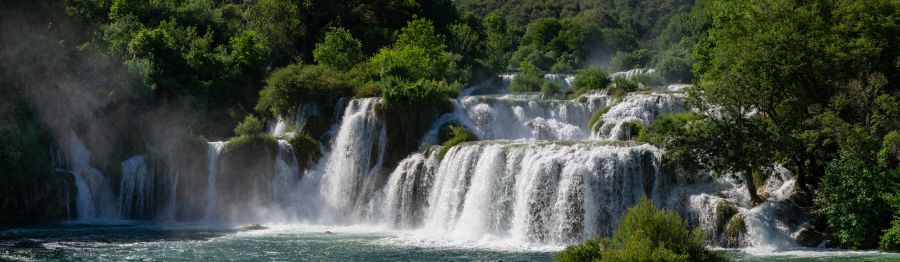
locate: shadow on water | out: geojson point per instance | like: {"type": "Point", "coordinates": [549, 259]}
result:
{"type": "Point", "coordinates": [55, 238]}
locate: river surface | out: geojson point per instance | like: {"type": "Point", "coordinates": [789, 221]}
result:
{"type": "Point", "coordinates": [296, 242]}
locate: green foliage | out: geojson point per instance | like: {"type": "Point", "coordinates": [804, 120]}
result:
{"type": "Point", "coordinates": [550, 89]}
{"type": "Point", "coordinates": [853, 205]}
{"type": "Point", "coordinates": [401, 94]}
{"type": "Point", "coordinates": [459, 135]}
{"type": "Point", "coordinates": [667, 126]}
{"type": "Point", "coordinates": [251, 126]}
{"type": "Point", "coordinates": [623, 61]}
{"type": "Point", "coordinates": [724, 212]}
{"type": "Point", "coordinates": [645, 234]}
{"type": "Point", "coordinates": [249, 145]}
{"type": "Point", "coordinates": [295, 83]}
{"type": "Point", "coordinates": [306, 148]}
{"type": "Point", "coordinates": [529, 78]}
{"type": "Point", "coordinates": [735, 230]}
{"type": "Point", "coordinates": [339, 49]}
{"type": "Point", "coordinates": [594, 124]}
{"type": "Point", "coordinates": [590, 79]}
{"type": "Point", "coordinates": [31, 190]}
{"type": "Point", "coordinates": [278, 23]}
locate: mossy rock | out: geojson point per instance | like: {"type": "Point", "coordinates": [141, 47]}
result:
{"type": "Point", "coordinates": [735, 231]}
{"type": "Point", "coordinates": [459, 135]}
{"type": "Point", "coordinates": [306, 149]}
{"type": "Point", "coordinates": [810, 238]}
{"type": "Point", "coordinates": [594, 124]}
{"type": "Point", "coordinates": [631, 130]}
{"type": "Point", "coordinates": [724, 212]}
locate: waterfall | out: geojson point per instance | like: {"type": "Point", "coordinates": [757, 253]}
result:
{"type": "Point", "coordinates": [212, 198]}
{"type": "Point", "coordinates": [636, 108]}
{"type": "Point", "coordinates": [285, 127]}
{"type": "Point", "coordinates": [353, 164]}
{"type": "Point", "coordinates": [94, 191]}
{"type": "Point", "coordinates": [541, 192]}
{"type": "Point", "coordinates": [133, 189]}
{"type": "Point", "coordinates": [516, 117]}
{"type": "Point", "coordinates": [630, 74]}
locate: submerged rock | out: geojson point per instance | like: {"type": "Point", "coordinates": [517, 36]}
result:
{"type": "Point", "coordinates": [253, 227]}
{"type": "Point", "coordinates": [811, 238]}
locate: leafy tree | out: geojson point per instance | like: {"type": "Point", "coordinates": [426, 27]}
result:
{"type": "Point", "coordinates": [296, 83]}
{"type": "Point", "coordinates": [278, 23]}
{"type": "Point", "coordinates": [339, 49]}
{"type": "Point", "coordinates": [852, 204]}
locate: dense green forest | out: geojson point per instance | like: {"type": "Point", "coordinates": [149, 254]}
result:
{"type": "Point", "coordinates": [810, 85]}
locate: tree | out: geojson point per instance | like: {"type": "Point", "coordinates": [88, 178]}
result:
{"type": "Point", "coordinates": [529, 78]}
{"type": "Point", "coordinates": [278, 24]}
{"type": "Point", "coordinates": [339, 49]}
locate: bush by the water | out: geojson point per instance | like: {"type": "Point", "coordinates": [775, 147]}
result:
{"type": "Point", "coordinates": [645, 234]}
{"type": "Point", "coordinates": [459, 135]}
{"type": "Point", "coordinates": [589, 79]}
{"type": "Point", "coordinates": [528, 79]}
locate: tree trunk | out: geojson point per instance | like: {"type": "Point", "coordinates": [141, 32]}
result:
{"type": "Point", "coordinates": [751, 187]}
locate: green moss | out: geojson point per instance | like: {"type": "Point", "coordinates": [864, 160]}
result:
{"type": "Point", "coordinates": [724, 212]}
{"type": "Point", "coordinates": [633, 129]}
{"type": "Point", "coordinates": [459, 135]}
{"type": "Point", "coordinates": [735, 230]}
{"type": "Point", "coordinates": [595, 118]}
{"type": "Point", "coordinates": [306, 148]}
{"type": "Point", "coordinates": [249, 144]}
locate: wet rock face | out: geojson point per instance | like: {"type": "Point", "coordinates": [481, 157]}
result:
{"type": "Point", "coordinates": [811, 238]}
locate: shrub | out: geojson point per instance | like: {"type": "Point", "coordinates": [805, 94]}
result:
{"type": "Point", "coordinates": [648, 80]}
{"type": "Point", "coordinates": [666, 126]}
{"type": "Point", "coordinates": [529, 78]}
{"type": "Point", "coordinates": [645, 234]}
{"type": "Point", "coordinates": [591, 78]}
{"type": "Point", "coordinates": [459, 135]}
{"type": "Point", "coordinates": [249, 127]}
{"type": "Point", "coordinates": [250, 145]}
{"type": "Point", "coordinates": [549, 89]}
{"type": "Point", "coordinates": [295, 83]}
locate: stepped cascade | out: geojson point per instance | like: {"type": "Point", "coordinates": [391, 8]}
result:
{"type": "Point", "coordinates": [539, 174]}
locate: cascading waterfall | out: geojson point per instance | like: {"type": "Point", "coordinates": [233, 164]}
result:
{"type": "Point", "coordinates": [353, 164]}
{"type": "Point", "coordinates": [212, 157]}
{"type": "Point", "coordinates": [636, 108]}
{"type": "Point", "coordinates": [529, 191]}
{"type": "Point", "coordinates": [540, 175]}
{"type": "Point", "coordinates": [94, 190]}
{"type": "Point", "coordinates": [133, 189]}
{"type": "Point", "coordinates": [516, 117]}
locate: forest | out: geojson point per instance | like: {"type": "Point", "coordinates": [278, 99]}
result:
{"type": "Point", "coordinates": [810, 86]}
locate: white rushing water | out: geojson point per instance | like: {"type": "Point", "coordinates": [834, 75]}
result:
{"type": "Point", "coordinates": [535, 192]}
{"type": "Point", "coordinates": [95, 200]}
{"type": "Point", "coordinates": [353, 164]}
{"type": "Point", "coordinates": [133, 189]}
{"type": "Point", "coordinates": [212, 158]}
{"type": "Point", "coordinates": [635, 108]}
{"type": "Point", "coordinates": [517, 116]}
{"type": "Point", "coordinates": [539, 176]}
